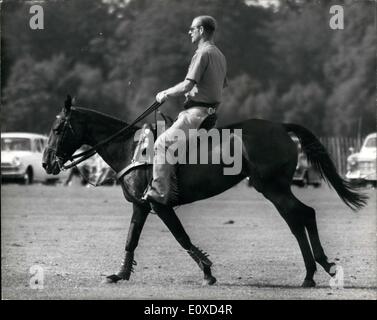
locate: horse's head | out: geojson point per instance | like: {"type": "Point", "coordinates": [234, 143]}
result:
{"type": "Point", "coordinates": [65, 138]}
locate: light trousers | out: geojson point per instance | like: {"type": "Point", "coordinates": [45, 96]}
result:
{"type": "Point", "coordinates": [164, 177]}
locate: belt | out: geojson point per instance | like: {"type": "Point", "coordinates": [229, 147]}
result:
{"type": "Point", "coordinates": [190, 103]}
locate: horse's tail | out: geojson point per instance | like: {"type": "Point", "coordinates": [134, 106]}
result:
{"type": "Point", "coordinates": [320, 160]}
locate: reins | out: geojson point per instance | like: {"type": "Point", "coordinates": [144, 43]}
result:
{"type": "Point", "coordinates": [93, 150]}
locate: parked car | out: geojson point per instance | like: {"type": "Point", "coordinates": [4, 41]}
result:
{"type": "Point", "coordinates": [21, 157]}
{"type": "Point", "coordinates": [305, 174]}
{"type": "Point", "coordinates": [361, 166]}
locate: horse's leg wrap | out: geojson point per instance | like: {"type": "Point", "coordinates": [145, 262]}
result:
{"type": "Point", "coordinates": [200, 257]}
{"type": "Point", "coordinates": [125, 270]}
{"type": "Point", "coordinates": [127, 266]}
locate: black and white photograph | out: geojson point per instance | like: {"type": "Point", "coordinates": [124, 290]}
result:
{"type": "Point", "coordinates": [188, 150]}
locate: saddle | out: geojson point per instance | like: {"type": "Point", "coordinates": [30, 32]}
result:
{"type": "Point", "coordinates": [144, 150]}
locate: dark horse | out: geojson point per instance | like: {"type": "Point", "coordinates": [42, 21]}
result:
{"type": "Point", "coordinates": [269, 159]}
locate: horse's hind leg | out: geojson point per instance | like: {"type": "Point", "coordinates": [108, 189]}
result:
{"type": "Point", "coordinates": [168, 216]}
{"type": "Point", "coordinates": [289, 208]}
{"type": "Point", "coordinates": [319, 254]}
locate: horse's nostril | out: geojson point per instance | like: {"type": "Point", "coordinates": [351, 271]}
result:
{"type": "Point", "coordinates": [44, 165]}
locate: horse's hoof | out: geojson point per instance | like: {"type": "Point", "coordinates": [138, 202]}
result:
{"type": "Point", "coordinates": [113, 279]}
{"type": "Point", "coordinates": [308, 283]}
{"type": "Point", "coordinates": [332, 269]}
{"type": "Point", "coordinates": [209, 281]}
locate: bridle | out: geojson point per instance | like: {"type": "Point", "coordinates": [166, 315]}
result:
{"type": "Point", "coordinates": [63, 157]}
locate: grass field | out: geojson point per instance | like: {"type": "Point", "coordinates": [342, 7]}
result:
{"type": "Point", "coordinates": [77, 236]}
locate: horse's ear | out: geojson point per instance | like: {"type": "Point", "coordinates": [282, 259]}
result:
{"type": "Point", "coordinates": [68, 104]}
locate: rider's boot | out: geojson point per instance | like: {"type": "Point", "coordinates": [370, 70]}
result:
{"type": "Point", "coordinates": [163, 188]}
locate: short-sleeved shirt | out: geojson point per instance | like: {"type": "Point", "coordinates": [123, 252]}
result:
{"type": "Point", "coordinates": [208, 70]}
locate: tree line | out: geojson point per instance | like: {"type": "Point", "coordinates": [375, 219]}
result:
{"type": "Point", "coordinates": [285, 63]}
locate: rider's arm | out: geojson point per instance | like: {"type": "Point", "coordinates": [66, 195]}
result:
{"type": "Point", "coordinates": [178, 90]}
{"type": "Point", "coordinates": [197, 67]}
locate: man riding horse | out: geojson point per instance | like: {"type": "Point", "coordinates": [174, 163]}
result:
{"type": "Point", "coordinates": [202, 87]}
{"type": "Point", "coordinates": [270, 163]}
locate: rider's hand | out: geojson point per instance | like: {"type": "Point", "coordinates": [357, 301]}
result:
{"type": "Point", "coordinates": [161, 97]}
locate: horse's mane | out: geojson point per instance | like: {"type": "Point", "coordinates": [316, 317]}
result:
{"type": "Point", "coordinates": [101, 116]}
{"type": "Point", "coordinates": [106, 121]}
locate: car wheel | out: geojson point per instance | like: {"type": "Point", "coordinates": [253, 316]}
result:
{"type": "Point", "coordinates": [28, 177]}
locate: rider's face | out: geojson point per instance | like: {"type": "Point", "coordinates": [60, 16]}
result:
{"type": "Point", "coordinates": [195, 31]}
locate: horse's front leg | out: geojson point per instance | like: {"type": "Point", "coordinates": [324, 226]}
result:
{"type": "Point", "coordinates": [139, 216]}
{"type": "Point", "coordinates": [168, 216]}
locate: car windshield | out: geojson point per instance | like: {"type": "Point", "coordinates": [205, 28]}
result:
{"type": "Point", "coordinates": [371, 142]}
{"type": "Point", "coordinates": [15, 144]}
